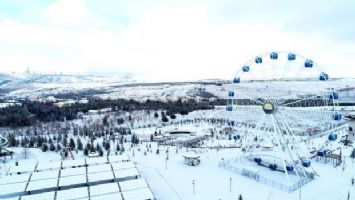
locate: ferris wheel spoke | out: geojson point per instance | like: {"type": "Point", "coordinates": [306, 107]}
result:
{"type": "Point", "coordinates": [287, 104]}
{"type": "Point", "coordinates": [290, 150]}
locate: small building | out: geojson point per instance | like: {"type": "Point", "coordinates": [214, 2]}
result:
{"type": "Point", "coordinates": [351, 130]}
{"type": "Point", "coordinates": [192, 160]}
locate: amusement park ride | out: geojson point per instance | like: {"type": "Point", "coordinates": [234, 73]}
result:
{"type": "Point", "coordinates": [277, 140]}
{"type": "Point", "coordinates": [3, 151]}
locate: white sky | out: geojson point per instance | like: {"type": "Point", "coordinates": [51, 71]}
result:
{"type": "Point", "coordinates": [171, 41]}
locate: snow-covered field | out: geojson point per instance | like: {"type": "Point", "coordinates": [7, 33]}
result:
{"type": "Point", "coordinates": [126, 87]}
{"type": "Point", "coordinates": [171, 179]}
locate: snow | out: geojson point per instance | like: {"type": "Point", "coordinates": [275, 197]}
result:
{"type": "Point", "coordinates": [126, 173]}
{"type": "Point", "coordinates": [116, 196]}
{"type": "Point", "coordinates": [99, 168]}
{"type": "Point", "coordinates": [97, 174]}
{"type": "Point", "coordinates": [48, 166]}
{"type": "Point", "coordinates": [73, 194]}
{"type": "Point", "coordinates": [118, 158]}
{"type": "Point", "coordinates": [140, 194]}
{"type": "Point", "coordinates": [73, 163]}
{"type": "Point", "coordinates": [72, 180]}
{"type": "Point", "coordinates": [22, 168]}
{"type": "Point", "coordinates": [72, 171]}
{"type": "Point", "coordinates": [42, 196]}
{"type": "Point", "coordinates": [44, 175]}
{"type": "Point", "coordinates": [41, 184]}
{"type": "Point", "coordinates": [12, 188]}
{"type": "Point", "coordinates": [122, 165]}
{"type": "Point", "coordinates": [14, 179]}
{"type": "Point", "coordinates": [133, 184]}
{"type": "Point", "coordinates": [101, 176]}
{"type": "Point", "coordinates": [97, 160]}
{"type": "Point", "coordinates": [104, 189]}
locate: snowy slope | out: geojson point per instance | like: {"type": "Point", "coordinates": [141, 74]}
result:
{"type": "Point", "coordinates": [114, 86]}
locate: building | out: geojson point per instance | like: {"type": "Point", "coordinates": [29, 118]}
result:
{"type": "Point", "coordinates": [351, 131]}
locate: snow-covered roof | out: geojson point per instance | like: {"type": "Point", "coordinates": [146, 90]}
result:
{"type": "Point", "coordinates": [141, 194]}
{"type": "Point", "coordinates": [118, 158]}
{"type": "Point", "coordinates": [73, 171]}
{"type": "Point", "coordinates": [133, 184]}
{"type": "Point", "coordinates": [13, 188]}
{"type": "Point", "coordinates": [72, 180]}
{"type": "Point", "coordinates": [73, 163]}
{"type": "Point", "coordinates": [96, 160]}
{"type": "Point", "coordinates": [126, 173]}
{"type": "Point", "coordinates": [116, 196]}
{"type": "Point", "coordinates": [29, 167]}
{"type": "Point", "coordinates": [48, 165]}
{"type": "Point", "coordinates": [14, 179]}
{"type": "Point", "coordinates": [122, 165]}
{"type": "Point", "coordinates": [191, 155]}
{"type": "Point", "coordinates": [73, 194]}
{"type": "Point", "coordinates": [104, 189]}
{"type": "Point", "coordinates": [99, 168]}
{"type": "Point", "coordinates": [44, 175]}
{"type": "Point", "coordinates": [42, 184]}
{"type": "Point", "coordinates": [41, 196]}
{"type": "Point", "coordinates": [100, 176]}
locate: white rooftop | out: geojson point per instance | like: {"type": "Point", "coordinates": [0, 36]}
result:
{"type": "Point", "coordinates": [42, 184]}
{"type": "Point", "coordinates": [72, 180]}
{"type": "Point", "coordinates": [99, 168]}
{"type": "Point", "coordinates": [73, 163]}
{"type": "Point", "coordinates": [41, 196]}
{"type": "Point", "coordinates": [126, 173]}
{"type": "Point", "coordinates": [29, 167]}
{"type": "Point", "coordinates": [73, 171]}
{"type": "Point", "coordinates": [48, 165]}
{"type": "Point", "coordinates": [100, 176]}
{"type": "Point", "coordinates": [104, 189]}
{"type": "Point", "coordinates": [73, 194]}
{"type": "Point", "coordinates": [133, 184]}
{"type": "Point", "coordinates": [118, 158]}
{"type": "Point", "coordinates": [115, 196]}
{"type": "Point", "coordinates": [14, 179]}
{"type": "Point", "coordinates": [141, 194]}
{"type": "Point", "coordinates": [44, 175]}
{"type": "Point", "coordinates": [12, 188]}
{"type": "Point", "coordinates": [96, 160]}
{"type": "Point", "coordinates": [122, 165]}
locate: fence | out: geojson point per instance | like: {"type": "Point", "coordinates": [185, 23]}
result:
{"type": "Point", "coordinates": [255, 176]}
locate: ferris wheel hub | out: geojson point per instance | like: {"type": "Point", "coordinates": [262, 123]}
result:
{"type": "Point", "coordinates": [269, 107]}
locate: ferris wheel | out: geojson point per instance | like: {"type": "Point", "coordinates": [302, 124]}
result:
{"type": "Point", "coordinates": [291, 99]}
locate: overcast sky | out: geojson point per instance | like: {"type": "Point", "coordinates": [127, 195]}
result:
{"type": "Point", "coordinates": [173, 40]}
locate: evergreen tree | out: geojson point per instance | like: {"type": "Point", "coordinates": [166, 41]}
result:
{"type": "Point", "coordinates": [352, 155]}
{"type": "Point", "coordinates": [59, 147]}
{"type": "Point", "coordinates": [86, 151]}
{"type": "Point", "coordinates": [51, 147]}
{"type": "Point", "coordinates": [44, 147]}
{"type": "Point", "coordinates": [164, 118]}
{"type": "Point", "coordinates": [39, 141]}
{"type": "Point", "coordinates": [80, 144]}
{"type": "Point", "coordinates": [156, 115]}
{"type": "Point", "coordinates": [71, 143]}
{"type": "Point", "coordinates": [32, 142]}
{"type": "Point", "coordinates": [101, 152]}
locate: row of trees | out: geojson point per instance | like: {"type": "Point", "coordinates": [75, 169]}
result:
{"type": "Point", "coordinates": [29, 112]}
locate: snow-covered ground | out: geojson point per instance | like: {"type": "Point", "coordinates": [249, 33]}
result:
{"type": "Point", "coordinates": [171, 179]}
{"type": "Point", "coordinates": [126, 87]}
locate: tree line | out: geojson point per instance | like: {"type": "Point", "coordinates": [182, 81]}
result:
{"type": "Point", "coordinates": [32, 112]}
